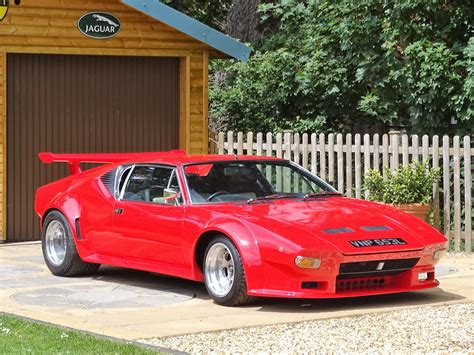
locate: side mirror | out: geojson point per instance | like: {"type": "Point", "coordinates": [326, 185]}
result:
{"type": "Point", "coordinates": [171, 196]}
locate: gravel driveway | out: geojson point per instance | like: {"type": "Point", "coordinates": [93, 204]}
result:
{"type": "Point", "coordinates": [448, 328]}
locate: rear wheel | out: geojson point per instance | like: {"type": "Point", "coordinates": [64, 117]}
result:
{"type": "Point", "coordinates": [224, 273]}
{"type": "Point", "coordinates": [59, 249]}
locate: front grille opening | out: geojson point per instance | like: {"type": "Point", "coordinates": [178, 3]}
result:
{"type": "Point", "coordinates": [376, 267]}
{"type": "Point", "coordinates": [309, 285]}
{"type": "Point", "coordinates": [361, 284]}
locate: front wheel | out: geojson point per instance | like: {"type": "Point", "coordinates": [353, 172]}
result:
{"type": "Point", "coordinates": [224, 273]}
{"type": "Point", "coordinates": [59, 249]}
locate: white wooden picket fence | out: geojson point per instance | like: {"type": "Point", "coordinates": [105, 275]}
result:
{"type": "Point", "coordinates": [343, 160]}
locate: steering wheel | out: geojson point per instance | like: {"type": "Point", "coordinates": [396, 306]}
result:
{"type": "Point", "coordinates": [215, 194]}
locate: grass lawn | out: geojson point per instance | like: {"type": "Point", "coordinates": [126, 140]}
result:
{"type": "Point", "coordinates": [19, 336]}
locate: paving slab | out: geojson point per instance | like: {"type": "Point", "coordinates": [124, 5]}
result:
{"type": "Point", "coordinates": [135, 305]}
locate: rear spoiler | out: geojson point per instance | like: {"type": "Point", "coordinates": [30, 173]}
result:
{"type": "Point", "coordinates": [74, 160]}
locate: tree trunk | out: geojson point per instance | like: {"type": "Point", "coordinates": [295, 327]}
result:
{"type": "Point", "coordinates": [243, 20]}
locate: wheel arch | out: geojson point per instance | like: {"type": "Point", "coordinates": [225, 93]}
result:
{"type": "Point", "coordinates": [240, 236]}
{"type": "Point", "coordinates": [202, 243]}
{"type": "Point", "coordinates": [69, 208]}
{"type": "Point", "coordinates": [47, 212]}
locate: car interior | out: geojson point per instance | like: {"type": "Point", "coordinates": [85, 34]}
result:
{"type": "Point", "coordinates": [153, 184]}
{"type": "Point", "coordinates": [226, 182]}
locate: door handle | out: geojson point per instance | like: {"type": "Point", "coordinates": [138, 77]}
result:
{"type": "Point", "coordinates": [118, 210]}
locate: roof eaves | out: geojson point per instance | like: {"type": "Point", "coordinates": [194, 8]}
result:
{"type": "Point", "coordinates": [192, 27]}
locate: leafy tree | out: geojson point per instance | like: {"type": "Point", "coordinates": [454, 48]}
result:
{"type": "Point", "coordinates": [211, 12]}
{"type": "Point", "coordinates": [335, 64]}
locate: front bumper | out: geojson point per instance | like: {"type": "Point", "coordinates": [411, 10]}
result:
{"type": "Point", "coordinates": [328, 282]}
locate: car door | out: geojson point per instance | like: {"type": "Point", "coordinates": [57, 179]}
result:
{"type": "Point", "coordinates": [148, 216]}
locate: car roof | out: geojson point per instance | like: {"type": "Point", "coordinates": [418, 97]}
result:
{"type": "Point", "coordinates": [184, 159]}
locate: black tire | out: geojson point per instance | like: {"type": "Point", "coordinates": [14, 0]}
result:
{"type": "Point", "coordinates": [237, 295]}
{"type": "Point", "coordinates": [72, 265]}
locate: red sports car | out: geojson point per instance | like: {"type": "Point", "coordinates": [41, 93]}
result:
{"type": "Point", "coordinates": [246, 226]}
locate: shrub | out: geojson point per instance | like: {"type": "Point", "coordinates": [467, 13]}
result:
{"type": "Point", "coordinates": [409, 184]}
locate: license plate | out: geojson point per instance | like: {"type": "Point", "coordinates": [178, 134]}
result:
{"type": "Point", "coordinates": [377, 242]}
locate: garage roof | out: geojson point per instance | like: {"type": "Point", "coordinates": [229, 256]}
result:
{"type": "Point", "coordinates": [191, 27]}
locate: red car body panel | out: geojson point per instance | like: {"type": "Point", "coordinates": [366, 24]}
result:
{"type": "Point", "coordinates": [268, 235]}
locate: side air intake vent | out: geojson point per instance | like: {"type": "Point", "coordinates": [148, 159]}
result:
{"type": "Point", "coordinates": [337, 230]}
{"type": "Point", "coordinates": [109, 180]}
{"type": "Point", "coordinates": [376, 228]}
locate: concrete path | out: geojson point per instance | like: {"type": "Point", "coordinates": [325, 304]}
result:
{"type": "Point", "coordinates": [135, 305]}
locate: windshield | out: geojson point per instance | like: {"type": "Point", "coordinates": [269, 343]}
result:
{"type": "Point", "coordinates": [250, 180]}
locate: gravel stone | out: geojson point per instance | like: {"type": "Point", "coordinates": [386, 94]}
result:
{"type": "Point", "coordinates": [428, 329]}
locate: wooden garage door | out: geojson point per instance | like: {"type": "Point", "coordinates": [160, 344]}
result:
{"type": "Point", "coordinates": [87, 104]}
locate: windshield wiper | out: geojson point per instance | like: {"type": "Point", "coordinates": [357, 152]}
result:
{"type": "Point", "coordinates": [322, 194]}
{"type": "Point", "coordinates": [270, 197]}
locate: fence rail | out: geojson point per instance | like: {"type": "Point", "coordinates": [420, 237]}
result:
{"type": "Point", "coordinates": [342, 160]}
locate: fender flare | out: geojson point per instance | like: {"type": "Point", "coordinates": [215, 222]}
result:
{"type": "Point", "coordinates": [244, 240]}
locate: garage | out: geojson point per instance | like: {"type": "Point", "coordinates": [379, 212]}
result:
{"type": "Point", "coordinates": [96, 77]}
{"type": "Point", "coordinates": [81, 104]}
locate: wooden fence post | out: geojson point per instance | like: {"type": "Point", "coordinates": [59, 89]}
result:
{"type": "Point", "coordinates": [314, 154]}
{"type": "Point", "coordinates": [230, 143]}
{"type": "Point", "coordinates": [415, 148]}
{"type": "Point", "coordinates": [348, 165]}
{"type": "Point", "coordinates": [221, 146]}
{"type": "Point", "coordinates": [405, 150]}
{"type": "Point", "coordinates": [376, 152]}
{"type": "Point", "coordinates": [249, 146]}
{"type": "Point", "coordinates": [385, 155]}
{"type": "Point", "coordinates": [322, 159]}
{"type": "Point", "coordinates": [358, 178]}
{"type": "Point", "coordinates": [340, 164]}
{"type": "Point", "coordinates": [457, 194]}
{"type": "Point", "coordinates": [331, 158]}
{"type": "Point", "coordinates": [240, 143]}
{"type": "Point", "coordinates": [436, 212]}
{"type": "Point", "coordinates": [366, 159]}
{"type": "Point", "coordinates": [259, 149]}
{"type": "Point", "coordinates": [467, 194]}
{"type": "Point", "coordinates": [305, 150]}
{"type": "Point", "coordinates": [395, 153]}
{"type": "Point", "coordinates": [446, 189]}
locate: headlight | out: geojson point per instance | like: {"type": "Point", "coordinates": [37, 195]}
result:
{"type": "Point", "coordinates": [438, 254]}
{"type": "Point", "coordinates": [307, 263]}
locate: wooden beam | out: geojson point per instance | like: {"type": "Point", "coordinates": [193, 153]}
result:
{"type": "Point", "coordinates": [3, 146]}
{"type": "Point", "coordinates": [205, 100]}
{"type": "Point", "coordinates": [184, 102]}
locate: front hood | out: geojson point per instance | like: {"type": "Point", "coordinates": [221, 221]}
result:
{"type": "Point", "coordinates": [352, 226]}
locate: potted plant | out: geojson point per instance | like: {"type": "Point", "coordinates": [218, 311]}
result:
{"type": "Point", "coordinates": [408, 188]}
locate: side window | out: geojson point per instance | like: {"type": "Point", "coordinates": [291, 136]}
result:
{"type": "Point", "coordinates": [149, 184]}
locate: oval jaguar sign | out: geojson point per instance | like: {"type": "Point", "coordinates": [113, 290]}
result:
{"type": "Point", "coordinates": [99, 25]}
{"type": "Point", "coordinates": [3, 9]}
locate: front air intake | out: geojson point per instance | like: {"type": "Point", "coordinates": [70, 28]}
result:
{"type": "Point", "coordinates": [376, 267]}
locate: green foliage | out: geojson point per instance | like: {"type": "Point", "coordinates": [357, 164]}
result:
{"type": "Point", "coordinates": [211, 12]}
{"type": "Point", "coordinates": [333, 64]}
{"type": "Point", "coordinates": [262, 97]}
{"type": "Point", "coordinates": [409, 184]}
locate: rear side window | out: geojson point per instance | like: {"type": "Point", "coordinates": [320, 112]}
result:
{"type": "Point", "coordinates": [151, 184]}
